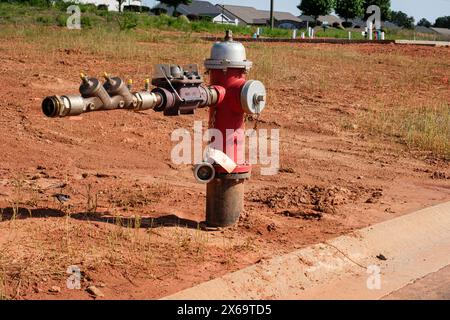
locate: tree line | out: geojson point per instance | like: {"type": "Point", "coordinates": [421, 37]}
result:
{"type": "Point", "coordinates": [350, 9]}
{"type": "Point", "coordinates": [346, 9]}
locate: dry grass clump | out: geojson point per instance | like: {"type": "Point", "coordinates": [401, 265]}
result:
{"type": "Point", "coordinates": [426, 127]}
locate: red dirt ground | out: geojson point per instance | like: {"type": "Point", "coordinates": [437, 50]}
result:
{"type": "Point", "coordinates": [331, 182]}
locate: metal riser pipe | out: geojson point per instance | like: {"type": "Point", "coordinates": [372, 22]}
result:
{"type": "Point", "coordinates": [224, 202]}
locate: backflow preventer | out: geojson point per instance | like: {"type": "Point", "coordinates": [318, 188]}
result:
{"type": "Point", "coordinates": [180, 91]}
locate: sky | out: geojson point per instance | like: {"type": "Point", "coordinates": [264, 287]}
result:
{"type": "Point", "coordinates": [430, 9]}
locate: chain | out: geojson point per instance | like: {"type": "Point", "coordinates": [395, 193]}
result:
{"type": "Point", "coordinates": [213, 118]}
{"type": "Point", "coordinates": [255, 127]}
{"type": "Point", "coordinates": [212, 121]}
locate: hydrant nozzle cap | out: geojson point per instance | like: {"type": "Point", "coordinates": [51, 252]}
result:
{"type": "Point", "coordinates": [253, 97]}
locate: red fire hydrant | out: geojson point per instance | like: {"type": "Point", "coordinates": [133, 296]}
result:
{"type": "Point", "coordinates": [227, 67]}
{"type": "Point", "coordinates": [180, 91]}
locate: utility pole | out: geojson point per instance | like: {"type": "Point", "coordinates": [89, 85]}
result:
{"type": "Point", "coordinates": [271, 14]}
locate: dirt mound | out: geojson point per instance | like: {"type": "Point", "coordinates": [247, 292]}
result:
{"type": "Point", "coordinates": [309, 198]}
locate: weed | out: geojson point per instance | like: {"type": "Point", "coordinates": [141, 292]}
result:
{"type": "Point", "coordinates": [91, 200]}
{"type": "Point", "coordinates": [18, 185]}
{"type": "Point", "coordinates": [127, 21]}
{"type": "Point", "coordinates": [200, 242]}
{"type": "Point", "coordinates": [3, 295]}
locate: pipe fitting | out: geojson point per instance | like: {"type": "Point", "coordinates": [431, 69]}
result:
{"type": "Point", "coordinates": [91, 87]}
{"type": "Point", "coordinates": [115, 86]}
{"type": "Point", "coordinates": [168, 100]}
{"type": "Point", "coordinates": [204, 172]}
{"type": "Point", "coordinates": [147, 100]}
{"type": "Point", "coordinates": [213, 95]}
{"type": "Point", "coordinates": [68, 105]}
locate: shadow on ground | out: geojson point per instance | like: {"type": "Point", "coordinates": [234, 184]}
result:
{"type": "Point", "coordinates": [168, 220]}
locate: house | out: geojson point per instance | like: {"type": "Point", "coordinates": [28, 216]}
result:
{"type": "Point", "coordinates": [305, 18]}
{"type": "Point", "coordinates": [389, 25]}
{"type": "Point", "coordinates": [358, 23]}
{"type": "Point", "coordinates": [442, 31]}
{"type": "Point", "coordinates": [251, 16]}
{"type": "Point", "coordinates": [306, 21]}
{"type": "Point", "coordinates": [196, 10]}
{"type": "Point", "coordinates": [330, 20]}
{"type": "Point", "coordinates": [422, 29]}
{"type": "Point", "coordinates": [112, 5]}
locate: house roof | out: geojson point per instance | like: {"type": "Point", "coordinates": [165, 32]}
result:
{"type": "Point", "coordinates": [330, 19]}
{"type": "Point", "coordinates": [358, 22]}
{"type": "Point", "coordinates": [389, 25]}
{"type": "Point", "coordinates": [199, 8]}
{"type": "Point", "coordinates": [305, 18]}
{"type": "Point", "coordinates": [443, 31]}
{"type": "Point", "coordinates": [423, 29]}
{"type": "Point", "coordinates": [251, 15]}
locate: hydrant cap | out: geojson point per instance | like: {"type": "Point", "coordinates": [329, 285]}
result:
{"type": "Point", "coordinates": [228, 54]}
{"type": "Point", "coordinates": [253, 97]}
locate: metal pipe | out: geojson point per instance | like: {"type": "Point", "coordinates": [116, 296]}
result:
{"type": "Point", "coordinates": [271, 15]}
{"type": "Point", "coordinates": [115, 94]}
{"type": "Point", "coordinates": [225, 200]}
{"type": "Point", "coordinates": [73, 105]}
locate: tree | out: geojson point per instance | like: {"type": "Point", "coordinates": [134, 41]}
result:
{"type": "Point", "coordinates": [120, 4]}
{"type": "Point", "coordinates": [402, 20]}
{"type": "Point", "coordinates": [316, 8]}
{"type": "Point", "coordinates": [424, 23]}
{"type": "Point", "coordinates": [442, 22]}
{"type": "Point", "coordinates": [175, 3]}
{"type": "Point", "coordinates": [349, 9]}
{"type": "Point", "coordinates": [385, 7]}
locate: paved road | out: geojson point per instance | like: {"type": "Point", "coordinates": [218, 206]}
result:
{"type": "Point", "coordinates": [433, 286]}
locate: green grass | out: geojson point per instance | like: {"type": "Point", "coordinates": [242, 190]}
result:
{"type": "Point", "coordinates": [91, 17]}
{"type": "Point", "coordinates": [19, 14]}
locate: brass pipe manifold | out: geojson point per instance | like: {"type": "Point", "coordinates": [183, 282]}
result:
{"type": "Point", "coordinates": [113, 94]}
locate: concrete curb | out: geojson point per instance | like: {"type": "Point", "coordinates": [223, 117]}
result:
{"type": "Point", "coordinates": [414, 245]}
{"type": "Point", "coordinates": [424, 43]}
